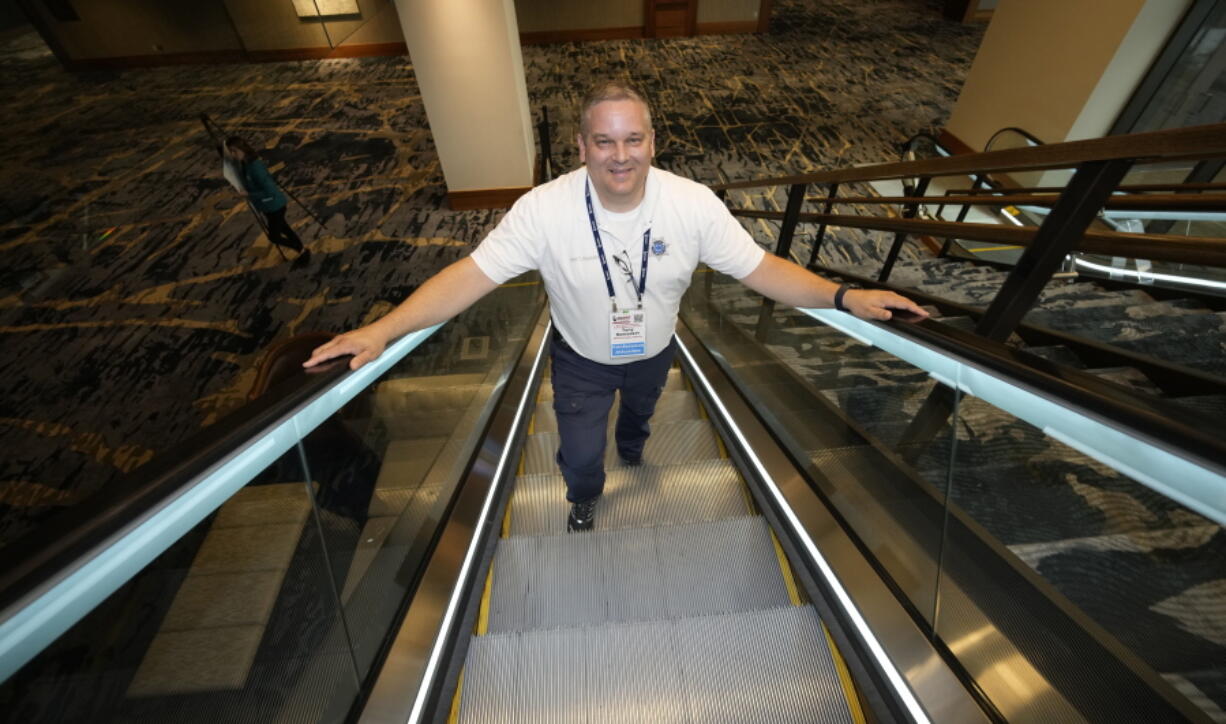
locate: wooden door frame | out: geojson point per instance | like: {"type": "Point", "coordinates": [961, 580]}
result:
{"type": "Point", "coordinates": [649, 16]}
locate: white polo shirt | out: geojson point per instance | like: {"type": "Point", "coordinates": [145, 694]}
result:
{"type": "Point", "coordinates": [547, 229]}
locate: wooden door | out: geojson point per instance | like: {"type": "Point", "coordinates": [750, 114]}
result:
{"type": "Point", "coordinates": [669, 18]}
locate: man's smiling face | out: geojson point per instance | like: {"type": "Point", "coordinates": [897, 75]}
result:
{"type": "Point", "coordinates": [617, 149]}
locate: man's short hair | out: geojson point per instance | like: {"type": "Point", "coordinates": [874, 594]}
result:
{"type": "Point", "coordinates": [610, 91]}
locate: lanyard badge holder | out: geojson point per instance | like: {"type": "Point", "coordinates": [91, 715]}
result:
{"type": "Point", "coordinates": [627, 327]}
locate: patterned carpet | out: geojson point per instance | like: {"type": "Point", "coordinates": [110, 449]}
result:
{"type": "Point", "coordinates": [137, 292]}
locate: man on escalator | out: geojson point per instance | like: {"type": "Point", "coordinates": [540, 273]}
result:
{"type": "Point", "coordinates": [616, 243]}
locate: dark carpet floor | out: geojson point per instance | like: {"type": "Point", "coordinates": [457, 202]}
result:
{"type": "Point", "coordinates": [137, 292]}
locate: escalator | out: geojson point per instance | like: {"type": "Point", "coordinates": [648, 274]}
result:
{"type": "Point", "coordinates": [781, 555]}
{"type": "Point", "coordinates": [679, 606]}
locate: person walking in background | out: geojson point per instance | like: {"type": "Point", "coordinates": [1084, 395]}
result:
{"type": "Point", "coordinates": [264, 195]}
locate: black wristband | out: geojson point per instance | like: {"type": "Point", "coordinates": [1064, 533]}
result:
{"type": "Point", "coordinates": [838, 298]}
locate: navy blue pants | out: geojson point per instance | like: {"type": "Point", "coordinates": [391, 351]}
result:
{"type": "Point", "coordinates": [582, 397]}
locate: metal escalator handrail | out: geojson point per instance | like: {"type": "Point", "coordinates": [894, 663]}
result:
{"type": "Point", "coordinates": [57, 573]}
{"type": "Point", "coordinates": [1197, 142]}
{"type": "Point", "coordinates": [1100, 409]}
{"type": "Point", "coordinates": [1031, 139]}
{"type": "Point", "coordinates": [908, 145]}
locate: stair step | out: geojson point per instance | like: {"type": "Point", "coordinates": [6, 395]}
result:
{"type": "Point", "coordinates": [670, 443]}
{"type": "Point", "coordinates": [197, 661]}
{"type": "Point", "coordinates": [570, 580]}
{"type": "Point", "coordinates": [639, 497]}
{"type": "Point", "coordinates": [761, 666]}
{"type": "Point", "coordinates": [673, 405]}
{"type": "Point", "coordinates": [404, 467]}
{"type": "Point", "coordinates": [209, 636]}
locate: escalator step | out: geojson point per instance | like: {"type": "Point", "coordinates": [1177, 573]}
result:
{"type": "Point", "coordinates": [670, 443]}
{"type": "Point", "coordinates": [761, 666]}
{"type": "Point", "coordinates": [412, 409]}
{"type": "Point", "coordinates": [640, 497]}
{"type": "Point", "coordinates": [651, 574]}
{"type": "Point", "coordinates": [673, 405]}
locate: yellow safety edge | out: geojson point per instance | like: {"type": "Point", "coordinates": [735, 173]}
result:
{"type": "Point", "coordinates": [454, 717]}
{"type": "Point", "coordinates": [849, 685]}
{"type": "Point", "coordinates": [483, 613]}
{"type": "Point", "coordinates": [786, 568]}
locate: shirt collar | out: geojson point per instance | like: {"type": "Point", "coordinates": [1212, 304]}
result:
{"type": "Point", "coordinates": [651, 194]}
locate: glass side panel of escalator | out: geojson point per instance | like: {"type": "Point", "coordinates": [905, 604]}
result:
{"type": "Point", "coordinates": [1063, 588]}
{"type": "Point", "coordinates": [274, 608]}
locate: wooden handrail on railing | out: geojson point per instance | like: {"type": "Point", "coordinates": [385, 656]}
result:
{"type": "Point", "coordinates": [1132, 202]}
{"type": "Point", "coordinates": [1195, 143]}
{"type": "Point", "coordinates": [1099, 164]}
{"type": "Point", "coordinates": [1160, 247]}
{"type": "Point", "coordinates": [1125, 187]}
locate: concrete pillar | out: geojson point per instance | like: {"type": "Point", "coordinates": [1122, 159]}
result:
{"type": "Point", "coordinates": [467, 61]}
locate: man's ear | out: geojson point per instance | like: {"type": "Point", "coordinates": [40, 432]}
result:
{"type": "Point", "coordinates": [579, 143]}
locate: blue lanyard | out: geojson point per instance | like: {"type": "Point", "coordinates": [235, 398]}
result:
{"type": "Point", "coordinates": [604, 265]}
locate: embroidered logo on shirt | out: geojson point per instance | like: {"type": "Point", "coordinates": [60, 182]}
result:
{"type": "Point", "coordinates": [658, 247]}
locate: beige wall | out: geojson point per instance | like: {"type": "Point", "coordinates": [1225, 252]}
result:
{"type": "Point", "coordinates": [118, 28]}
{"type": "Point", "coordinates": [124, 28]}
{"type": "Point", "coordinates": [467, 61]}
{"type": "Point", "coordinates": [274, 26]}
{"type": "Point", "coordinates": [1061, 69]}
{"type": "Point", "coordinates": [379, 24]}
{"type": "Point", "coordinates": [546, 15]}
{"type": "Point", "coordinates": [728, 11]}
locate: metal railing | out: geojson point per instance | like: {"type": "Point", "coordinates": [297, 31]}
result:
{"type": "Point", "coordinates": [1099, 166]}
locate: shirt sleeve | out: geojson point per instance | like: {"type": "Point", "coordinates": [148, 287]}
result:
{"type": "Point", "coordinates": [514, 246]}
{"type": "Point", "coordinates": [725, 245]}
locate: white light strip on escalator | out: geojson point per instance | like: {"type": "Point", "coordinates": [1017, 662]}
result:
{"type": "Point", "coordinates": [891, 671]}
{"type": "Point", "coordinates": [1192, 281]}
{"type": "Point", "coordinates": [453, 606]}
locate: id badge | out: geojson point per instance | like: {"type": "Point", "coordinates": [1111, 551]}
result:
{"type": "Point", "coordinates": [627, 334]}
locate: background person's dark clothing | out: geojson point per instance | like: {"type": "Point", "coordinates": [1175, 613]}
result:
{"type": "Point", "coordinates": [270, 201]}
{"type": "Point", "coordinates": [279, 231]}
{"type": "Point", "coordinates": [582, 397]}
